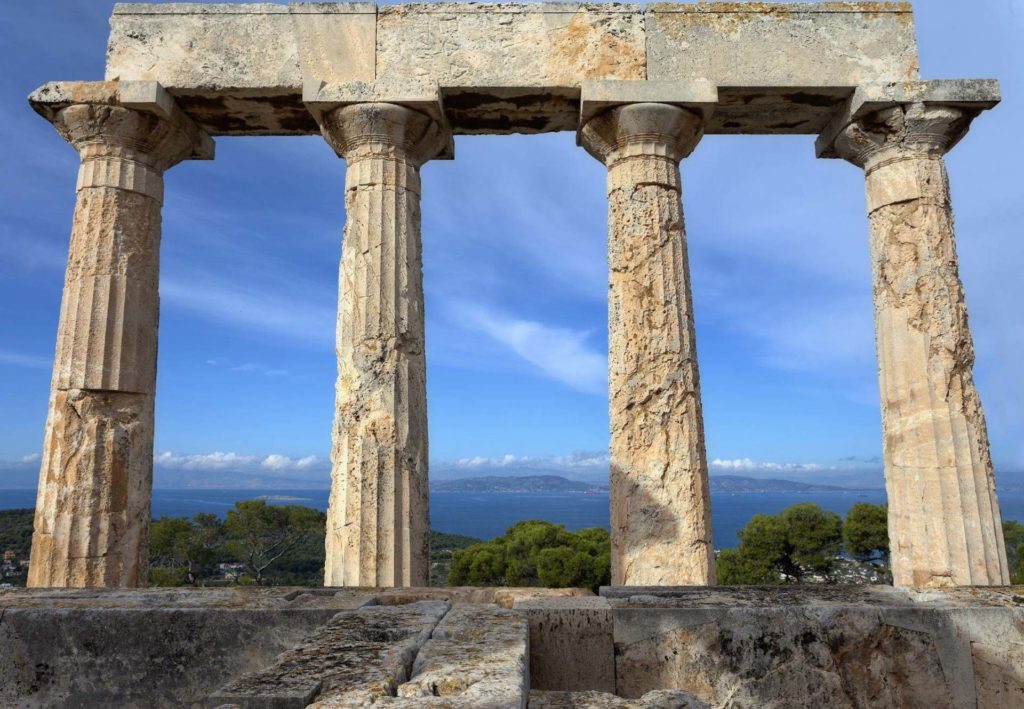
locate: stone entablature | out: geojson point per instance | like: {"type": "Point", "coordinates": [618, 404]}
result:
{"type": "Point", "coordinates": [388, 89]}
{"type": "Point", "coordinates": [512, 68]}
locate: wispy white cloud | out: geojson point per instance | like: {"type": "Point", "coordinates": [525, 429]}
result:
{"type": "Point", "coordinates": [247, 367]}
{"type": "Point", "coordinates": [561, 354]}
{"type": "Point", "coordinates": [237, 462]}
{"type": "Point", "coordinates": [304, 319]}
{"type": "Point", "coordinates": [749, 465]}
{"type": "Point", "coordinates": [18, 359]}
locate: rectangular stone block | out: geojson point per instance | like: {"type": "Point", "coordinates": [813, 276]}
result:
{"type": "Point", "coordinates": [239, 69]}
{"type": "Point", "coordinates": [560, 629]}
{"type": "Point", "coordinates": [776, 44]}
{"type": "Point", "coordinates": [369, 651]}
{"type": "Point", "coordinates": [477, 655]}
{"type": "Point", "coordinates": [511, 68]}
{"type": "Point", "coordinates": [781, 68]}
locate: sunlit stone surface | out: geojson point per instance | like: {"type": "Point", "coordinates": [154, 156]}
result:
{"type": "Point", "coordinates": [660, 508]}
{"type": "Point", "coordinates": [944, 522]}
{"type": "Point", "coordinates": [377, 522]}
{"type": "Point", "coordinates": [92, 515]}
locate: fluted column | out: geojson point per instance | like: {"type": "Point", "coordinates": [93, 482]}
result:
{"type": "Point", "coordinates": [378, 518]}
{"type": "Point", "coordinates": [660, 509]}
{"type": "Point", "coordinates": [944, 521]}
{"type": "Point", "coordinates": [93, 508]}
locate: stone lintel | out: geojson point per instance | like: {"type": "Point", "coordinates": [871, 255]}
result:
{"type": "Point", "coordinates": [975, 95]}
{"type": "Point", "coordinates": [146, 96]}
{"type": "Point", "coordinates": [292, 8]}
{"type": "Point", "coordinates": [320, 97]}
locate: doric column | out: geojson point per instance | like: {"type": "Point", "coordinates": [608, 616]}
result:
{"type": "Point", "coordinates": [378, 519]}
{"type": "Point", "coordinates": [93, 509]}
{"type": "Point", "coordinates": [944, 521]}
{"type": "Point", "coordinates": [660, 509]}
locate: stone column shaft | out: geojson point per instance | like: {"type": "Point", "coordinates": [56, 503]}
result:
{"type": "Point", "coordinates": [660, 509]}
{"type": "Point", "coordinates": [378, 518]}
{"type": "Point", "coordinates": [93, 508]}
{"type": "Point", "coordinates": [944, 521]}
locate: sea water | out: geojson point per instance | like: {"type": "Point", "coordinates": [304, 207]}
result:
{"type": "Point", "coordinates": [488, 514]}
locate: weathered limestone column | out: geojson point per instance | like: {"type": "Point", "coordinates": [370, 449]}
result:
{"type": "Point", "coordinates": [660, 509]}
{"type": "Point", "coordinates": [378, 518]}
{"type": "Point", "coordinates": [93, 508]}
{"type": "Point", "coordinates": [944, 521]}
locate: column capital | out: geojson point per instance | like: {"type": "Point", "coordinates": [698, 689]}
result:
{"type": "Point", "coordinates": [134, 120]}
{"type": "Point", "coordinates": [620, 119]}
{"type": "Point", "coordinates": [883, 122]}
{"type": "Point", "coordinates": [376, 118]}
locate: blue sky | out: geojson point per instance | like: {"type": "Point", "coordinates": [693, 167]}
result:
{"type": "Point", "coordinates": [514, 253]}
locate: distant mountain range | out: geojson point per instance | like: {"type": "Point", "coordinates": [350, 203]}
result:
{"type": "Point", "coordinates": [519, 483]}
{"type": "Point", "coordinates": [738, 483]}
{"type": "Point", "coordinates": [556, 483]}
{"type": "Point", "coordinates": [26, 477]}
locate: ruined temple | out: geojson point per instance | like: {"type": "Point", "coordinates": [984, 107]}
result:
{"type": "Point", "coordinates": [389, 88]}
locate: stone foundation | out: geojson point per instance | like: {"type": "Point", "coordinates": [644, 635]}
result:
{"type": "Point", "coordinates": [632, 648]}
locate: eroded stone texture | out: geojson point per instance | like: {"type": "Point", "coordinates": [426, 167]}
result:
{"type": "Point", "coordinates": [999, 674]}
{"type": "Point", "coordinates": [781, 44]}
{"type": "Point", "coordinates": [478, 654]}
{"type": "Point", "coordinates": [512, 67]}
{"type": "Point", "coordinates": [559, 628]}
{"type": "Point", "coordinates": [944, 520]}
{"type": "Point", "coordinates": [92, 514]}
{"type": "Point", "coordinates": [660, 510]}
{"type": "Point", "coordinates": [818, 646]}
{"type": "Point", "coordinates": [368, 651]}
{"type": "Point", "coordinates": [657, 699]}
{"type": "Point", "coordinates": [377, 521]}
{"type": "Point", "coordinates": [476, 658]}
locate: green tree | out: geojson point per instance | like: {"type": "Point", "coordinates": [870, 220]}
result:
{"type": "Point", "coordinates": [16, 531]}
{"type": "Point", "coordinates": [536, 553]}
{"type": "Point", "coordinates": [260, 535]}
{"type": "Point", "coordinates": [781, 548]}
{"type": "Point", "coordinates": [814, 537]}
{"type": "Point", "coordinates": [1013, 534]}
{"type": "Point", "coordinates": [183, 551]}
{"type": "Point", "coordinates": [866, 532]}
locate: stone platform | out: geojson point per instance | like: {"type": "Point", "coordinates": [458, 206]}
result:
{"type": "Point", "coordinates": [630, 648]}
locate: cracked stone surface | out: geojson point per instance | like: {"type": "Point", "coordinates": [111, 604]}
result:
{"type": "Point", "coordinates": [660, 508]}
{"type": "Point", "coordinates": [93, 509]}
{"type": "Point", "coordinates": [377, 520]}
{"type": "Point", "coordinates": [511, 67]}
{"type": "Point", "coordinates": [820, 646]}
{"type": "Point", "coordinates": [944, 521]}
{"type": "Point", "coordinates": [368, 651]}
{"type": "Point", "coordinates": [657, 699]}
{"type": "Point", "coordinates": [478, 654]}
{"type": "Point", "coordinates": [799, 648]}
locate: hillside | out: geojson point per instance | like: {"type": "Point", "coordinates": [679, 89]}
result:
{"type": "Point", "coordinates": [739, 483]}
{"type": "Point", "coordinates": [524, 483]}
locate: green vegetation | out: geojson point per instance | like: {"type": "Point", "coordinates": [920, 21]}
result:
{"type": "Point", "coordinates": [16, 532]}
{"type": "Point", "coordinates": [536, 553]}
{"type": "Point", "coordinates": [802, 540]}
{"type": "Point", "coordinates": [284, 545]}
{"type": "Point", "coordinates": [866, 533]}
{"type": "Point", "coordinates": [1013, 532]}
{"type": "Point", "coordinates": [260, 544]}
{"type": "Point", "coordinates": [257, 544]}
{"type": "Point", "coordinates": [442, 549]}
